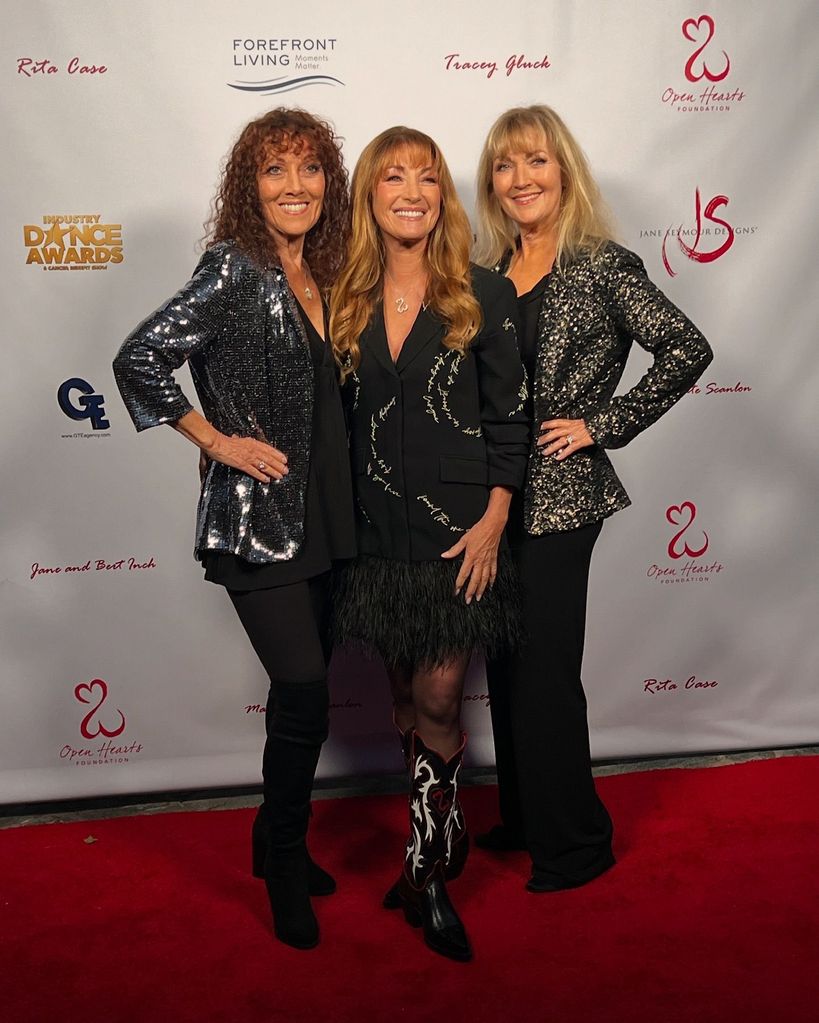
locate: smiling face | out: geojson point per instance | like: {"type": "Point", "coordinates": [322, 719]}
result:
{"type": "Point", "coordinates": [291, 187]}
{"type": "Point", "coordinates": [406, 199]}
{"type": "Point", "coordinates": [528, 185]}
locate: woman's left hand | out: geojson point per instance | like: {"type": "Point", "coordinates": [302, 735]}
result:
{"type": "Point", "coordinates": [480, 564]}
{"type": "Point", "coordinates": [562, 437]}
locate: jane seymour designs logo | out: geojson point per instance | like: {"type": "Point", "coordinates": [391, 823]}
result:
{"type": "Point", "coordinates": [708, 240]}
{"type": "Point", "coordinates": [100, 723]}
{"type": "Point", "coordinates": [705, 63]}
{"type": "Point", "coordinates": [687, 544]}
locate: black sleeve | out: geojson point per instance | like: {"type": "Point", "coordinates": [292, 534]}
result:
{"type": "Point", "coordinates": [501, 382]}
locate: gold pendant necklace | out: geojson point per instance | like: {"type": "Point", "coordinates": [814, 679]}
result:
{"type": "Point", "coordinates": [401, 304]}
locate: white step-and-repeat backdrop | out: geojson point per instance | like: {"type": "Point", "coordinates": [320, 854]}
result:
{"type": "Point", "coordinates": [122, 671]}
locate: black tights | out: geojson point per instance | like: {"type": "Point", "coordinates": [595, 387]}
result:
{"type": "Point", "coordinates": [429, 699]}
{"type": "Point", "coordinates": [288, 628]}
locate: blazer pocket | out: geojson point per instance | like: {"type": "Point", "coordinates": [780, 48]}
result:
{"type": "Point", "coordinates": [456, 469]}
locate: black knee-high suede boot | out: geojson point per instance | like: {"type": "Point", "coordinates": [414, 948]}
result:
{"type": "Point", "coordinates": [296, 730]}
{"type": "Point", "coordinates": [319, 881]}
{"type": "Point", "coordinates": [422, 888]}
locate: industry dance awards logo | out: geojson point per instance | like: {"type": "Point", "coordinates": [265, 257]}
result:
{"type": "Point", "coordinates": [706, 89]}
{"type": "Point", "coordinates": [78, 241]}
{"type": "Point", "coordinates": [709, 238]}
{"type": "Point", "coordinates": [276, 65]}
{"type": "Point", "coordinates": [688, 558]}
{"type": "Point", "coordinates": [101, 730]}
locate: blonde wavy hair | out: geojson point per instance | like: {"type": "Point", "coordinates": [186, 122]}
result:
{"type": "Point", "coordinates": [584, 222]}
{"type": "Point", "coordinates": [360, 283]}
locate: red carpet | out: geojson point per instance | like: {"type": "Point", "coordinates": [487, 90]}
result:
{"type": "Point", "coordinates": [710, 916]}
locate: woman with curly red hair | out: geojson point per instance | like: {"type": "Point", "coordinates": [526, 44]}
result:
{"type": "Point", "coordinates": [275, 509]}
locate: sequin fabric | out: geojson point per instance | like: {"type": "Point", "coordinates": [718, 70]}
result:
{"type": "Point", "coordinates": [590, 315]}
{"type": "Point", "coordinates": [238, 328]}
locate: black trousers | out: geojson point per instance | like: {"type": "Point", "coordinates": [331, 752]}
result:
{"type": "Point", "coordinates": [539, 716]}
{"type": "Point", "coordinates": [288, 628]}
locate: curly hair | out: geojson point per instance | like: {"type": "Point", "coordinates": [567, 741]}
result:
{"type": "Point", "coordinates": [584, 224]}
{"type": "Point", "coordinates": [360, 285]}
{"type": "Point", "coordinates": [237, 213]}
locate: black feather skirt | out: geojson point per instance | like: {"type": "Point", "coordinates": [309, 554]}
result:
{"type": "Point", "coordinates": [407, 611]}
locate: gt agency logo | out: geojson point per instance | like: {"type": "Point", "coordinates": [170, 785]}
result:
{"type": "Point", "coordinates": [99, 726]}
{"type": "Point", "coordinates": [706, 69]}
{"type": "Point", "coordinates": [687, 545]}
{"type": "Point", "coordinates": [79, 401]}
{"type": "Point", "coordinates": [75, 242]}
{"type": "Point", "coordinates": [709, 239]}
{"type": "Point", "coordinates": [302, 62]}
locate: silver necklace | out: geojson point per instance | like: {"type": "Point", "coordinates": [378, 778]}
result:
{"type": "Point", "coordinates": [401, 304]}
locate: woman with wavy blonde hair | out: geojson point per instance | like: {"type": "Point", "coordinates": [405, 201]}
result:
{"type": "Point", "coordinates": [582, 301]}
{"type": "Point", "coordinates": [439, 441]}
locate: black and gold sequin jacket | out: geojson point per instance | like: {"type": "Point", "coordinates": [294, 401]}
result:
{"type": "Point", "coordinates": [590, 314]}
{"type": "Point", "coordinates": [238, 328]}
{"type": "Point", "coordinates": [431, 433]}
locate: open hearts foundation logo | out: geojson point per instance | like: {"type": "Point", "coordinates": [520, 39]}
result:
{"type": "Point", "coordinates": [99, 722]}
{"type": "Point", "coordinates": [706, 70]}
{"type": "Point", "coordinates": [686, 549]}
{"type": "Point", "coordinates": [701, 31]}
{"type": "Point", "coordinates": [96, 693]}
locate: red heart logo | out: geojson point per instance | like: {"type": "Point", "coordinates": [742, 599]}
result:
{"type": "Point", "coordinates": [675, 511]}
{"type": "Point", "coordinates": [89, 687]}
{"type": "Point", "coordinates": [695, 23]}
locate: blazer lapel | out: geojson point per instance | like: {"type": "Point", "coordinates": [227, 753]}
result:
{"type": "Point", "coordinates": [554, 331]}
{"type": "Point", "coordinates": [425, 330]}
{"type": "Point", "coordinates": [374, 339]}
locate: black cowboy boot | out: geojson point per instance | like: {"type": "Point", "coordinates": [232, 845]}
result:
{"type": "Point", "coordinates": [422, 888]}
{"type": "Point", "coordinates": [458, 849]}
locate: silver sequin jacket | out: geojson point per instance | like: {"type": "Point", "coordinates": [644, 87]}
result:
{"type": "Point", "coordinates": [238, 328]}
{"type": "Point", "coordinates": [590, 314]}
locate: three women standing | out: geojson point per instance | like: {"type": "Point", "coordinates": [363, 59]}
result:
{"type": "Point", "coordinates": [582, 301]}
{"type": "Point", "coordinates": [276, 504]}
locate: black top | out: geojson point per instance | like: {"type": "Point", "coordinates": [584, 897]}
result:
{"type": "Point", "coordinates": [529, 314]}
{"type": "Point", "coordinates": [432, 432]}
{"type": "Point", "coordinates": [329, 526]}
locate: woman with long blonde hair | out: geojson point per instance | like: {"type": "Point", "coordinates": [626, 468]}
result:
{"type": "Point", "coordinates": [582, 301]}
{"type": "Point", "coordinates": [439, 440]}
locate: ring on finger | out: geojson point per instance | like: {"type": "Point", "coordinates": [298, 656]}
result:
{"type": "Point", "coordinates": [262, 466]}
{"type": "Point", "coordinates": [569, 440]}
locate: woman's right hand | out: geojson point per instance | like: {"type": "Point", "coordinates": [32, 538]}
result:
{"type": "Point", "coordinates": [259, 460]}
